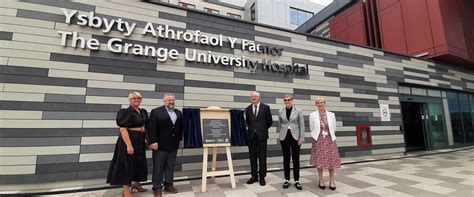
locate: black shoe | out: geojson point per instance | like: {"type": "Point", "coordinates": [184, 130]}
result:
{"type": "Point", "coordinates": [262, 182]}
{"type": "Point", "coordinates": [252, 180]}
{"type": "Point", "coordinates": [298, 185]}
{"type": "Point", "coordinates": [322, 187]}
{"type": "Point", "coordinates": [286, 184]}
{"type": "Point", "coordinates": [331, 187]}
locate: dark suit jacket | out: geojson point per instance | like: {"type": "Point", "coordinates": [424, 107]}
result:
{"type": "Point", "coordinates": [261, 123]}
{"type": "Point", "coordinates": [162, 130]}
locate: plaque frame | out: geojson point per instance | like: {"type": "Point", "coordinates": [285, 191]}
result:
{"type": "Point", "coordinates": [215, 113]}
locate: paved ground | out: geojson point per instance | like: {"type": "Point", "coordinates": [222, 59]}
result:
{"type": "Point", "coordinates": [446, 174]}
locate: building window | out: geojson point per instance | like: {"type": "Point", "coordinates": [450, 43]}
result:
{"type": "Point", "coordinates": [252, 13]}
{"type": "Point", "coordinates": [234, 15]}
{"type": "Point", "coordinates": [212, 11]}
{"type": "Point", "coordinates": [187, 5]}
{"type": "Point", "coordinates": [298, 17]}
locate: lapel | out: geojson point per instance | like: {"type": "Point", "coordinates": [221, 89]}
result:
{"type": "Point", "coordinates": [165, 114]}
{"type": "Point", "coordinates": [259, 110]}
{"type": "Point", "coordinates": [292, 114]}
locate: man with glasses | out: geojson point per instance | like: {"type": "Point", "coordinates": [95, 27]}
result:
{"type": "Point", "coordinates": [258, 119]}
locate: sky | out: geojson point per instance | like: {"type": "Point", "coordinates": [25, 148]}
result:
{"type": "Point", "coordinates": [323, 2]}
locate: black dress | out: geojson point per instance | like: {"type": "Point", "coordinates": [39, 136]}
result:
{"type": "Point", "coordinates": [125, 168]}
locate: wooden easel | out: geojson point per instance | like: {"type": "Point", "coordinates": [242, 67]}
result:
{"type": "Point", "coordinates": [216, 112]}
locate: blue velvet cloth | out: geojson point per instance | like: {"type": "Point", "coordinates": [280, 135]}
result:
{"type": "Point", "coordinates": [192, 128]}
{"type": "Point", "coordinates": [239, 136]}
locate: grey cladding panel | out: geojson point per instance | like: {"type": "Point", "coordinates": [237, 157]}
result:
{"type": "Point", "coordinates": [41, 16]}
{"type": "Point", "coordinates": [57, 115]}
{"type": "Point", "coordinates": [316, 92]}
{"type": "Point", "coordinates": [62, 98]}
{"type": "Point", "coordinates": [272, 36]}
{"type": "Point", "coordinates": [37, 106]}
{"type": "Point", "coordinates": [154, 80]}
{"type": "Point", "coordinates": [94, 165]}
{"type": "Point", "coordinates": [136, 72]}
{"type": "Point", "coordinates": [18, 70]}
{"type": "Point", "coordinates": [57, 132]}
{"type": "Point", "coordinates": [57, 167]}
{"type": "Point", "coordinates": [343, 76]}
{"type": "Point", "coordinates": [92, 174]}
{"type": "Point", "coordinates": [52, 159]}
{"type": "Point", "coordinates": [125, 57]}
{"type": "Point", "coordinates": [261, 74]}
{"type": "Point", "coordinates": [355, 56]}
{"type": "Point", "coordinates": [359, 100]}
{"type": "Point", "coordinates": [6, 35]}
{"type": "Point", "coordinates": [218, 85]}
{"type": "Point", "coordinates": [63, 4]}
{"type": "Point", "coordinates": [343, 62]}
{"type": "Point", "coordinates": [169, 88]}
{"type": "Point", "coordinates": [102, 61]}
{"type": "Point", "coordinates": [35, 80]}
{"type": "Point", "coordinates": [416, 70]}
{"type": "Point", "coordinates": [56, 177]}
{"type": "Point", "coordinates": [388, 58]}
{"type": "Point", "coordinates": [209, 66]}
{"type": "Point", "coordinates": [246, 99]}
{"type": "Point", "coordinates": [30, 142]}
{"type": "Point", "coordinates": [102, 148]}
{"type": "Point", "coordinates": [326, 41]}
{"type": "Point", "coordinates": [314, 63]}
{"type": "Point", "coordinates": [120, 93]}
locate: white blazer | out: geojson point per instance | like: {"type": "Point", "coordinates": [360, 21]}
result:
{"type": "Point", "coordinates": [315, 127]}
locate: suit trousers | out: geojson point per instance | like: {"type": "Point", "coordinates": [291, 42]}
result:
{"type": "Point", "coordinates": [163, 164]}
{"type": "Point", "coordinates": [258, 150]}
{"type": "Point", "coordinates": [290, 146]}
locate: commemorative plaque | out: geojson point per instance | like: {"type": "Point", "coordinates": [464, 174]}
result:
{"type": "Point", "coordinates": [215, 131]}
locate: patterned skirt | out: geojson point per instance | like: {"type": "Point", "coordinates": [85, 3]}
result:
{"type": "Point", "coordinates": [324, 153]}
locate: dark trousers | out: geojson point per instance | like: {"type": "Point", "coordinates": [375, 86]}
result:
{"type": "Point", "coordinates": [163, 164]}
{"type": "Point", "coordinates": [258, 149]}
{"type": "Point", "coordinates": [290, 146]}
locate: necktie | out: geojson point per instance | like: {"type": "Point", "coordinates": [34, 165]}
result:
{"type": "Point", "coordinates": [255, 112]}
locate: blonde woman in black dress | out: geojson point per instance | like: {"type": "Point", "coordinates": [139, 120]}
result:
{"type": "Point", "coordinates": [128, 166]}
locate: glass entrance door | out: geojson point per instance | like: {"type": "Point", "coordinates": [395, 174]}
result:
{"type": "Point", "coordinates": [435, 130]}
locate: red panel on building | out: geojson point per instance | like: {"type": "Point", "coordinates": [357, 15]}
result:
{"type": "Point", "coordinates": [349, 25]}
{"type": "Point", "coordinates": [442, 28]}
{"type": "Point", "coordinates": [392, 29]}
{"type": "Point", "coordinates": [386, 3]}
{"type": "Point", "coordinates": [437, 29]}
{"type": "Point", "coordinates": [417, 27]}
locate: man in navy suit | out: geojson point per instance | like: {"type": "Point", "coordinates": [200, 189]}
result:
{"type": "Point", "coordinates": [259, 118]}
{"type": "Point", "coordinates": [165, 137]}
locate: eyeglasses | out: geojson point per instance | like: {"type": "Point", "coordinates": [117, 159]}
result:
{"type": "Point", "coordinates": [286, 100]}
{"type": "Point", "coordinates": [136, 98]}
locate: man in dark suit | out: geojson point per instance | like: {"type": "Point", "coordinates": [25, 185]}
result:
{"type": "Point", "coordinates": [165, 137]}
{"type": "Point", "coordinates": [259, 118]}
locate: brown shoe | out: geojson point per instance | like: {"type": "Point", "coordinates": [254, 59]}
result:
{"type": "Point", "coordinates": [138, 187]}
{"type": "Point", "coordinates": [171, 189]}
{"type": "Point", "coordinates": [157, 193]}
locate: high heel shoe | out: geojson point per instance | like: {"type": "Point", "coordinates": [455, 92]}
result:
{"type": "Point", "coordinates": [331, 187]}
{"type": "Point", "coordinates": [138, 187]}
{"type": "Point", "coordinates": [321, 186]}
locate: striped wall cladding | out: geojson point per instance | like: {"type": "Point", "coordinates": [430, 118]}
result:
{"type": "Point", "coordinates": [58, 104]}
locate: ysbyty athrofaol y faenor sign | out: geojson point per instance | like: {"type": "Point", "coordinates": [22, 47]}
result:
{"type": "Point", "coordinates": [117, 45]}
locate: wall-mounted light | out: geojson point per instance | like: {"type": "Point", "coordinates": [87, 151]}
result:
{"type": "Point", "coordinates": [422, 54]}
